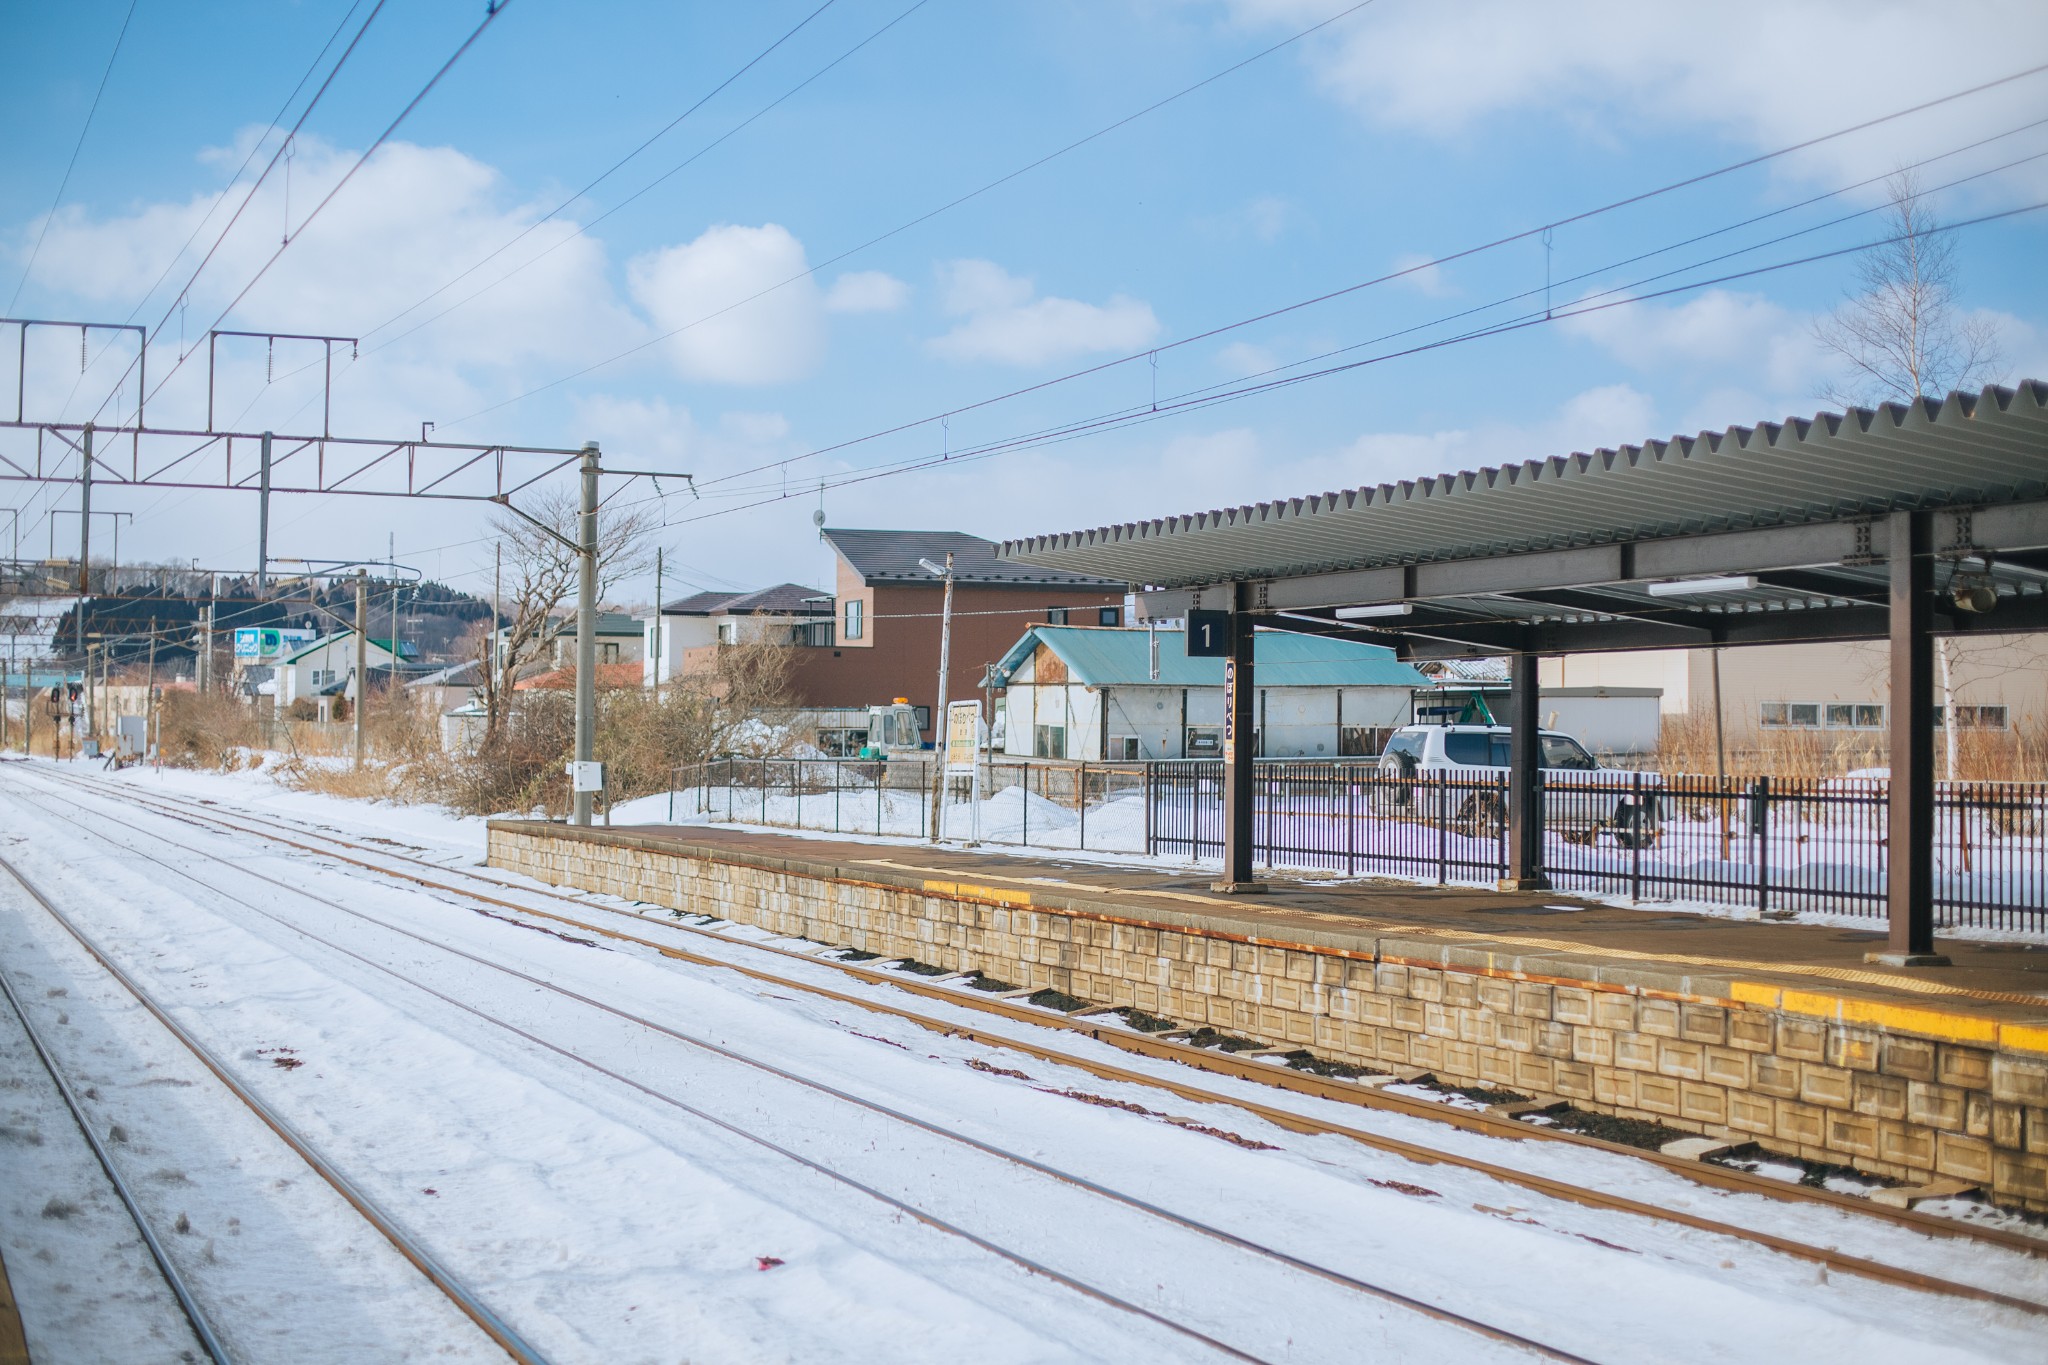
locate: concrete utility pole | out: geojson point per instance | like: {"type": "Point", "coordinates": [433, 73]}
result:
{"type": "Point", "coordinates": [84, 533]}
{"type": "Point", "coordinates": [586, 630]}
{"type": "Point", "coordinates": [657, 626]}
{"type": "Point", "coordinates": [203, 666]}
{"type": "Point", "coordinates": [945, 668]}
{"type": "Point", "coordinates": [263, 519]}
{"type": "Point", "coordinates": [362, 656]}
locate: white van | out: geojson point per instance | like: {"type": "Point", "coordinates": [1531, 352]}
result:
{"type": "Point", "coordinates": [1583, 799]}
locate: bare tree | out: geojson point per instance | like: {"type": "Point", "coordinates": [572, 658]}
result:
{"type": "Point", "coordinates": [1902, 334]}
{"type": "Point", "coordinates": [541, 572]}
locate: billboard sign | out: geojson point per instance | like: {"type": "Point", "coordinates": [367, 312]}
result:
{"type": "Point", "coordinates": [259, 644]}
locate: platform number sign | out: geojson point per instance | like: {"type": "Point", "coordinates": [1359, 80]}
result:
{"type": "Point", "coordinates": [1208, 635]}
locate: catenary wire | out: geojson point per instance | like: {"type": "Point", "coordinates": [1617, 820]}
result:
{"type": "Point", "coordinates": [608, 172]}
{"type": "Point", "coordinates": [65, 182]}
{"type": "Point", "coordinates": [1245, 391]}
{"type": "Point", "coordinates": [946, 207]}
{"type": "Point", "coordinates": [1403, 272]}
{"type": "Point", "coordinates": [490, 17]}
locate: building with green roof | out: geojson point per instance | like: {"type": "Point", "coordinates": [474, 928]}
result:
{"type": "Point", "coordinates": [1092, 693]}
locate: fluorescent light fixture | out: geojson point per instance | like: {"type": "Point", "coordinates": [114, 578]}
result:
{"type": "Point", "coordinates": [1698, 587]}
{"type": "Point", "coordinates": [1376, 609]}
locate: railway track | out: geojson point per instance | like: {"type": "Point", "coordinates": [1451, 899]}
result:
{"type": "Point", "coordinates": [1236, 1242]}
{"type": "Point", "coordinates": [473, 1307]}
{"type": "Point", "coordinates": [174, 1280]}
{"type": "Point", "coordinates": [378, 861]}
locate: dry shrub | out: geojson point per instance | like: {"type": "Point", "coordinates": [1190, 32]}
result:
{"type": "Point", "coordinates": [207, 730]}
{"type": "Point", "coordinates": [1687, 746]}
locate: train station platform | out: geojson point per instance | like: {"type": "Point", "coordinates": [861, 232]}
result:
{"type": "Point", "coordinates": [1773, 1033]}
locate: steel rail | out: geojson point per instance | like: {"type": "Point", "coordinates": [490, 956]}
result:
{"type": "Point", "coordinates": [492, 1325]}
{"type": "Point", "coordinates": [1394, 1297]}
{"type": "Point", "coordinates": [209, 1340]}
{"type": "Point", "coordinates": [1831, 1257]}
{"type": "Point", "coordinates": [1145, 1045]}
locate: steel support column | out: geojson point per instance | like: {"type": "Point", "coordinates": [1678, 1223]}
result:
{"type": "Point", "coordinates": [1525, 780]}
{"type": "Point", "coordinates": [1240, 692]}
{"type": "Point", "coordinates": [1909, 815]}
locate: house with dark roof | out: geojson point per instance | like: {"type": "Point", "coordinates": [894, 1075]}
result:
{"type": "Point", "coordinates": [887, 608]}
{"type": "Point", "coordinates": [326, 666]}
{"type": "Point", "coordinates": [1077, 692]}
{"type": "Point", "coordinates": [683, 630]}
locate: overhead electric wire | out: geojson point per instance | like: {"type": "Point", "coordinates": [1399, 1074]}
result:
{"type": "Point", "coordinates": [930, 214]}
{"type": "Point", "coordinates": [247, 199]}
{"type": "Point", "coordinates": [490, 17]}
{"type": "Point", "coordinates": [1325, 297]}
{"type": "Point", "coordinates": [583, 229]}
{"type": "Point", "coordinates": [1191, 397]}
{"type": "Point", "coordinates": [72, 165]}
{"type": "Point", "coordinates": [1092, 426]}
{"type": "Point", "coordinates": [613, 169]}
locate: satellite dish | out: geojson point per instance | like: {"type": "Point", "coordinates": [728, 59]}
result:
{"type": "Point", "coordinates": [818, 518]}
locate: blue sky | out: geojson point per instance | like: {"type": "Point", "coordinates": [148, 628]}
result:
{"type": "Point", "coordinates": [1400, 133]}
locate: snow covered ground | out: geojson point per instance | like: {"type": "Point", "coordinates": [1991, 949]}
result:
{"type": "Point", "coordinates": [610, 1217]}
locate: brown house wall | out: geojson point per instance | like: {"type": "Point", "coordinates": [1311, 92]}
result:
{"type": "Point", "coordinates": [903, 627]}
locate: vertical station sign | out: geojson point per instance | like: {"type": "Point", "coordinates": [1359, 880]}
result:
{"type": "Point", "coordinates": [962, 755]}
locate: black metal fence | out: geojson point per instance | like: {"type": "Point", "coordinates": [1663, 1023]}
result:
{"type": "Point", "coordinates": [1764, 844]}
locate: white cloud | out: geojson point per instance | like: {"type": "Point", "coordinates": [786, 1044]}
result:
{"type": "Point", "coordinates": [1241, 359]}
{"type": "Point", "coordinates": [867, 291]}
{"type": "Point", "coordinates": [1268, 216]}
{"type": "Point", "coordinates": [769, 340]}
{"type": "Point", "coordinates": [1768, 72]}
{"type": "Point", "coordinates": [1423, 277]}
{"type": "Point", "coordinates": [1719, 336]}
{"type": "Point", "coordinates": [1003, 322]}
{"type": "Point", "coordinates": [409, 220]}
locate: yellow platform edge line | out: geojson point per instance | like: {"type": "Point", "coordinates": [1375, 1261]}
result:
{"type": "Point", "coordinates": [1937, 1024]}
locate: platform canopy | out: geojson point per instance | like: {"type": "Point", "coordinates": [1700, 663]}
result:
{"type": "Point", "coordinates": [1594, 551]}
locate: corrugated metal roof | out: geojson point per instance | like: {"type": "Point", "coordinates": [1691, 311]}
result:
{"type": "Point", "coordinates": [1103, 657]}
{"type": "Point", "coordinates": [891, 557]}
{"type": "Point", "coordinates": [1966, 450]}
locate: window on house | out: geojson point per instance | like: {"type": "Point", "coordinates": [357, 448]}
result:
{"type": "Point", "coordinates": [1048, 741]}
{"type": "Point", "coordinates": [1110, 616]}
{"type": "Point", "coordinates": [854, 623]}
{"type": "Point", "coordinates": [1055, 616]}
{"type": "Point", "coordinates": [1842, 715]}
{"type": "Point", "coordinates": [1123, 748]}
{"type": "Point", "coordinates": [1975, 717]}
{"type": "Point", "coordinates": [1793, 715]}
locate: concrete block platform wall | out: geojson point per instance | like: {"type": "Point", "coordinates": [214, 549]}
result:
{"type": "Point", "coordinates": [1913, 1093]}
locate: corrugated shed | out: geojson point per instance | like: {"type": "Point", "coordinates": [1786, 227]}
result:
{"type": "Point", "coordinates": [1968, 449]}
{"type": "Point", "coordinates": [1101, 657]}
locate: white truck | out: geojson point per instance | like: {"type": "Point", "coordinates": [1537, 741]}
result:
{"type": "Point", "coordinates": [1470, 763]}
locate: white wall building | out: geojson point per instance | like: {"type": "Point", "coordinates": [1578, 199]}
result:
{"type": "Point", "coordinates": [329, 663]}
{"type": "Point", "coordinates": [1088, 693]}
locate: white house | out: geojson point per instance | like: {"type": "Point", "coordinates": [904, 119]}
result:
{"type": "Point", "coordinates": [326, 667]}
{"type": "Point", "coordinates": [788, 611]}
{"type": "Point", "coordinates": [1087, 692]}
